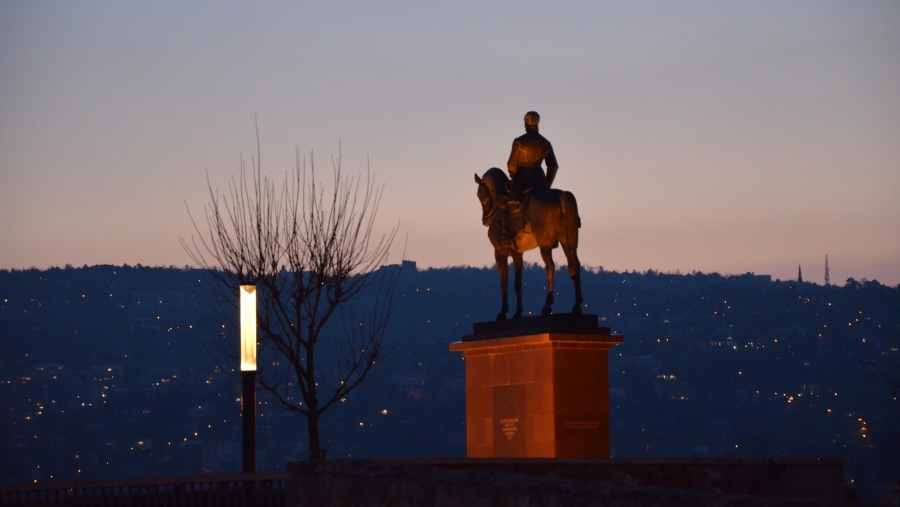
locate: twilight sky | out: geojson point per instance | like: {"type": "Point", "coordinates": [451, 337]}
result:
{"type": "Point", "coordinates": [699, 135]}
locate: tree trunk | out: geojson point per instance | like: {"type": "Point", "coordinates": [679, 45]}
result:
{"type": "Point", "coordinates": [312, 426]}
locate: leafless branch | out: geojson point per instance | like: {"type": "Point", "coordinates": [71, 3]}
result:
{"type": "Point", "coordinates": [312, 252]}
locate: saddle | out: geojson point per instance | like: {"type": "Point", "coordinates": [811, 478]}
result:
{"type": "Point", "coordinates": [512, 217]}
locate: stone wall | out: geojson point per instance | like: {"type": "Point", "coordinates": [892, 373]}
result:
{"type": "Point", "coordinates": [529, 483]}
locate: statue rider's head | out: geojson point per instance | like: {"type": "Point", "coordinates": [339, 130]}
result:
{"type": "Point", "coordinates": [531, 121]}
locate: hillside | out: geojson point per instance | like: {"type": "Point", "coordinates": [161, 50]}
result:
{"type": "Point", "coordinates": [111, 371]}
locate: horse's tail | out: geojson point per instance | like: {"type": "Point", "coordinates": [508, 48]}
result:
{"type": "Point", "coordinates": [571, 219]}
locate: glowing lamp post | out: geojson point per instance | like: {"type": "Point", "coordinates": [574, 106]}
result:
{"type": "Point", "coordinates": [248, 377]}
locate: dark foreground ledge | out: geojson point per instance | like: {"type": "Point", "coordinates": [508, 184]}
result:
{"type": "Point", "coordinates": [515, 482]}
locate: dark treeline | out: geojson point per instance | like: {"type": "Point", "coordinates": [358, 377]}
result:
{"type": "Point", "coordinates": [112, 371]}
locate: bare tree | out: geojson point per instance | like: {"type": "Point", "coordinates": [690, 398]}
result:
{"type": "Point", "coordinates": [311, 252]}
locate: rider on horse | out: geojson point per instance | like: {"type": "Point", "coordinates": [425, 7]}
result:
{"type": "Point", "coordinates": [528, 152]}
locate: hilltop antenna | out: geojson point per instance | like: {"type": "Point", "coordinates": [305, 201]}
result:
{"type": "Point", "coordinates": [827, 275]}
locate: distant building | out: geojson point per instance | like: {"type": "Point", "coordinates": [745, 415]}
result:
{"type": "Point", "coordinates": [750, 279]}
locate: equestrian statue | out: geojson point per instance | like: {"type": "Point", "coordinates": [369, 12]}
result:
{"type": "Point", "coordinates": [524, 213]}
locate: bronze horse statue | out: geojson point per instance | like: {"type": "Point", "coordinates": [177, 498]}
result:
{"type": "Point", "coordinates": [551, 219]}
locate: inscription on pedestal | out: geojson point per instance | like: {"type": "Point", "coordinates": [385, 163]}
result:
{"type": "Point", "coordinates": [581, 425]}
{"type": "Point", "coordinates": [509, 427]}
{"type": "Point", "coordinates": [509, 420]}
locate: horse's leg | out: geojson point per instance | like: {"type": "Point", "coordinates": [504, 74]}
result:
{"type": "Point", "coordinates": [503, 269]}
{"type": "Point", "coordinates": [575, 275]}
{"type": "Point", "coordinates": [547, 255]}
{"type": "Point", "coordinates": [569, 241]}
{"type": "Point", "coordinates": [517, 267]}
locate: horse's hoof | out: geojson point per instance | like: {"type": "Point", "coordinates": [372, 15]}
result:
{"type": "Point", "coordinates": [576, 310]}
{"type": "Point", "coordinates": [546, 311]}
{"type": "Point", "coordinates": [501, 316]}
{"type": "Point", "coordinates": [518, 315]}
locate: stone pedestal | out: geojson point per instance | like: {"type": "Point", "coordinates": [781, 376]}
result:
{"type": "Point", "coordinates": [538, 387]}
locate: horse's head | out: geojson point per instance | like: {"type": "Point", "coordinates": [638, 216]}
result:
{"type": "Point", "coordinates": [486, 200]}
{"type": "Point", "coordinates": [490, 186]}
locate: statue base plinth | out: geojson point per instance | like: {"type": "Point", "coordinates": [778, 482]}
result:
{"type": "Point", "coordinates": [538, 387]}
